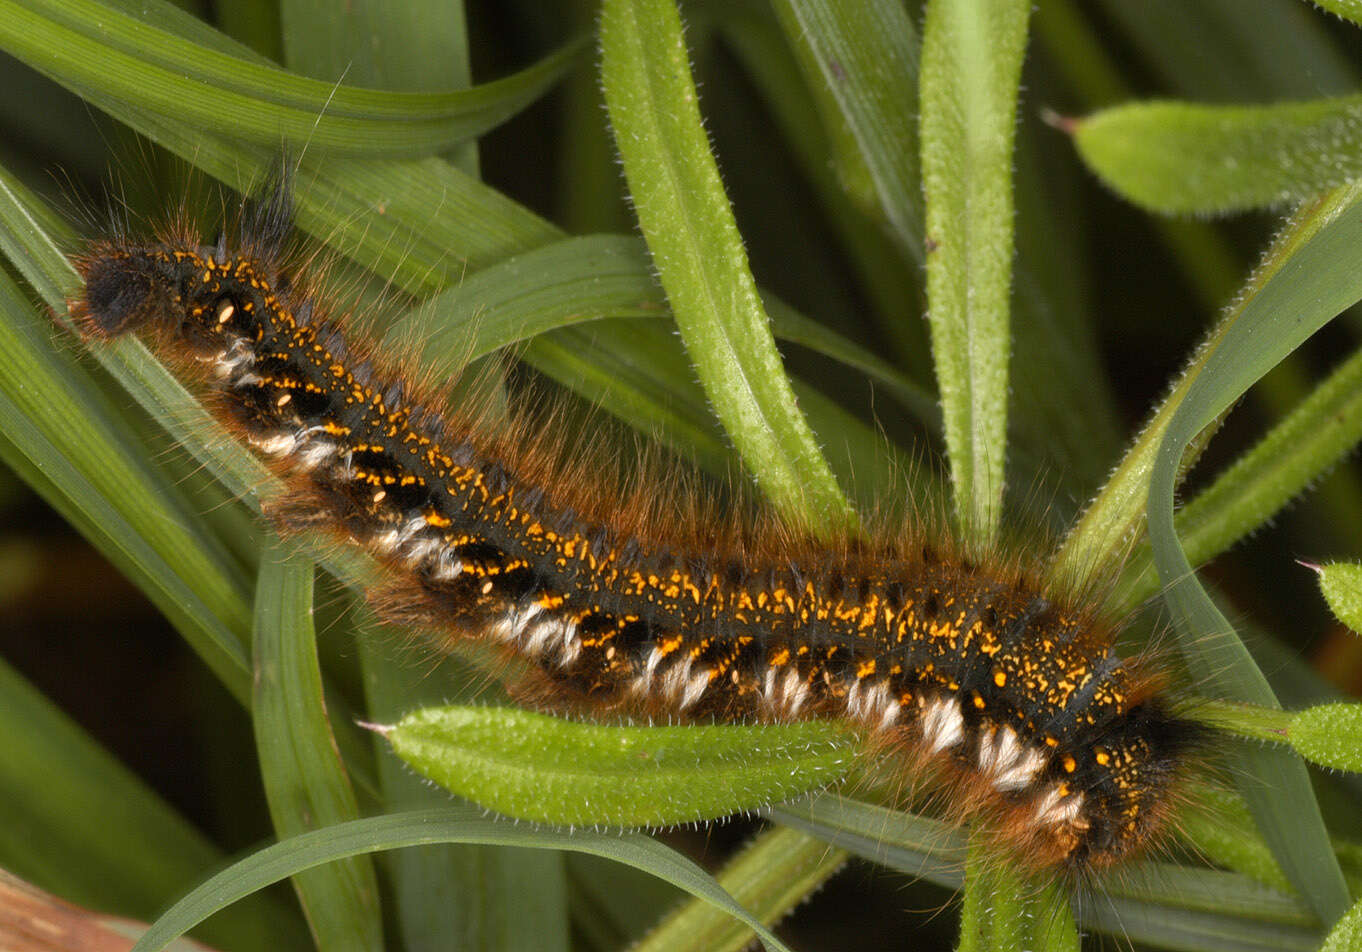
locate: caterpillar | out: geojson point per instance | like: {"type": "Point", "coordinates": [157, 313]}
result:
{"type": "Point", "coordinates": [1010, 697]}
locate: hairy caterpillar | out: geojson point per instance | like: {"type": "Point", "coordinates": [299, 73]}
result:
{"type": "Point", "coordinates": [1013, 698]}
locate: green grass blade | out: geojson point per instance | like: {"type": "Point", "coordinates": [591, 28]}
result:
{"type": "Point", "coordinates": [1303, 287]}
{"type": "Point", "coordinates": [58, 834]}
{"type": "Point", "coordinates": [861, 61]}
{"type": "Point", "coordinates": [1116, 515]}
{"type": "Point", "coordinates": [971, 67]}
{"type": "Point", "coordinates": [56, 420]}
{"type": "Point", "coordinates": [771, 875]}
{"type": "Point", "coordinates": [305, 780]}
{"type": "Point", "coordinates": [88, 44]}
{"type": "Point", "coordinates": [423, 44]}
{"type": "Point", "coordinates": [828, 158]}
{"type": "Point", "coordinates": [1181, 158]}
{"type": "Point", "coordinates": [1299, 450]}
{"type": "Point", "coordinates": [699, 255]}
{"type": "Point", "coordinates": [1176, 907]}
{"type": "Point", "coordinates": [422, 828]}
{"type": "Point", "coordinates": [454, 894]}
{"type": "Point", "coordinates": [587, 278]}
{"type": "Point", "coordinates": [1003, 912]}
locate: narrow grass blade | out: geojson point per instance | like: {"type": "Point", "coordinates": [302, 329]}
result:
{"type": "Point", "coordinates": [586, 278]}
{"type": "Point", "coordinates": [861, 60]}
{"type": "Point", "coordinates": [1295, 453]}
{"type": "Point", "coordinates": [1302, 287]}
{"type": "Point", "coordinates": [769, 877]}
{"type": "Point", "coordinates": [423, 828]}
{"type": "Point", "coordinates": [137, 61]}
{"type": "Point", "coordinates": [829, 159]}
{"type": "Point", "coordinates": [1004, 912]}
{"type": "Point", "coordinates": [61, 425]}
{"type": "Point", "coordinates": [454, 894]}
{"type": "Point", "coordinates": [699, 254]}
{"type": "Point", "coordinates": [305, 781]}
{"type": "Point", "coordinates": [971, 67]}
{"type": "Point", "coordinates": [57, 832]}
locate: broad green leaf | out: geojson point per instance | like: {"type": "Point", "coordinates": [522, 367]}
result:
{"type": "Point", "coordinates": [695, 244]}
{"type": "Point", "coordinates": [534, 767]}
{"type": "Point", "coordinates": [1180, 158]}
{"type": "Point", "coordinates": [1330, 735]}
{"type": "Point", "coordinates": [305, 780]}
{"type": "Point", "coordinates": [1299, 289]}
{"type": "Point", "coordinates": [420, 828]}
{"type": "Point", "coordinates": [971, 65]}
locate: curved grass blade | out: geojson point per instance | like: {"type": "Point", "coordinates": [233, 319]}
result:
{"type": "Point", "coordinates": [828, 158]}
{"type": "Point", "coordinates": [1320, 431]}
{"type": "Point", "coordinates": [426, 827]}
{"type": "Point", "coordinates": [87, 44]}
{"type": "Point", "coordinates": [694, 241]}
{"type": "Point", "coordinates": [305, 780]}
{"type": "Point", "coordinates": [1182, 158]}
{"type": "Point", "coordinates": [454, 894]}
{"type": "Point", "coordinates": [971, 66]}
{"type": "Point", "coordinates": [1306, 281]}
{"type": "Point", "coordinates": [586, 278]}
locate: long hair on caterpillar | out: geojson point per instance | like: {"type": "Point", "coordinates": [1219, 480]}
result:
{"type": "Point", "coordinates": [975, 744]}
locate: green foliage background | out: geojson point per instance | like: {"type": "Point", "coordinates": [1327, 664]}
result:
{"type": "Point", "coordinates": [1058, 315]}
